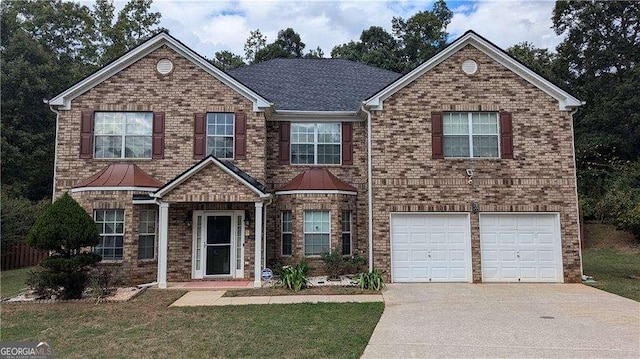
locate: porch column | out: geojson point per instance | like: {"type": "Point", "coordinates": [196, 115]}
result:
{"type": "Point", "coordinates": [163, 244]}
{"type": "Point", "coordinates": [258, 244]}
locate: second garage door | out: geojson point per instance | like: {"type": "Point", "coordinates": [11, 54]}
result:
{"type": "Point", "coordinates": [430, 247]}
{"type": "Point", "coordinates": [520, 247]}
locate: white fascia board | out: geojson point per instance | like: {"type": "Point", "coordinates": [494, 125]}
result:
{"type": "Point", "coordinates": [302, 116]}
{"type": "Point", "coordinates": [114, 188]}
{"type": "Point", "coordinates": [565, 100]}
{"type": "Point", "coordinates": [349, 193]}
{"type": "Point", "coordinates": [145, 201]}
{"type": "Point", "coordinates": [64, 99]}
{"type": "Point", "coordinates": [197, 169]}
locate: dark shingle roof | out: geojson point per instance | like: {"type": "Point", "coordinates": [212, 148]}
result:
{"type": "Point", "coordinates": [314, 84]}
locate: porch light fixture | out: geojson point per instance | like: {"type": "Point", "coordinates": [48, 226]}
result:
{"type": "Point", "coordinates": [475, 207]}
{"type": "Point", "coordinates": [247, 217]}
{"type": "Point", "coordinates": [188, 220]}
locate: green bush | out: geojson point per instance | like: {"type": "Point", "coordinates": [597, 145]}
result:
{"type": "Point", "coordinates": [334, 263]}
{"type": "Point", "coordinates": [371, 280]}
{"type": "Point", "coordinates": [18, 214]}
{"type": "Point", "coordinates": [64, 228]}
{"type": "Point", "coordinates": [294, 277]}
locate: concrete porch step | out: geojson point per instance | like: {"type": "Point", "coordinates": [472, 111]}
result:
{"type": "Point", "coordinates": [210, 285]}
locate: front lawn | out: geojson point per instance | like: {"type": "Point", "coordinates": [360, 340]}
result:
{"type": "Point", "coordinates": [146, 327]}
{"type": "Point", "coordinates": [612, 257]}
{"type": "Point", "coordinates": [12, 281]}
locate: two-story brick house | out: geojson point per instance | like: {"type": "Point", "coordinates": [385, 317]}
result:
{"type": "Point", "coordinates": [461, 170]}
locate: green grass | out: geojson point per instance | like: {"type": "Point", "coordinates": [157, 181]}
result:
{"type": "Point", "coordinates": [146, 327]}
{"type": "Point", "coordinates": [612, 269]}
{"type": "Point", "coordinates": [12, 281]}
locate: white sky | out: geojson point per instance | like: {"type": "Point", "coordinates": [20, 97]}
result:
{"type": "Point", "coordinates": [210, 26]}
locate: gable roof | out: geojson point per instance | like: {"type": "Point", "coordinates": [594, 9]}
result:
{"type": "Point", "coordinates": [64, 99]}
{"type": "Point", "coordinates": [228, 167]}
{"type": "Point", "coordinates": [119, 177]}
{"type": "Point", "coordinates": [565, 100]}
{"type": "Point", "coordinates": [314, 84]}
{"type": "Point", "coordinates": [316, 180]}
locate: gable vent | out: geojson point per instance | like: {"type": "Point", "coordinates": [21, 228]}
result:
{"type": "Point", "coordinates": [164, 66]}
{"type": "Point", "coordinates": [469, 67]}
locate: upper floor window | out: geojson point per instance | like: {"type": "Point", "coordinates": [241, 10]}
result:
{"type": "Point", "coordinates": [471, 134]}
{"type": "Point", "coordinates": [316, 143]}
{"type": "Point", "coordinates": [220, 134]}
{"type": "Point", "coordinates": [123, 134]}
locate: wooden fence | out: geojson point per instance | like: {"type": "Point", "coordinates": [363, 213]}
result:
{"type": "Point", "coordinates": [21, 255]}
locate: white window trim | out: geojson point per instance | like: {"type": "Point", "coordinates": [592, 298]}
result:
{"type": "Point", "coordinates": [282, 233]}
{"type": "Point", "coordinates": [233, 135]}
{"type": "Point", "coordinates": [315, 144]}
{"type": "Point", "coordinates": [350, 232]}
{"type": "Point", "coordinates": [122, 136]}
{"type": "Point", "coordinates": [124, 224]}
{"type": "Point", "coordinates": [155, 238]}
{"type": "Point", "coordinates": [304, 234]}
{"type": "Point", "coordinates": [470, 133]}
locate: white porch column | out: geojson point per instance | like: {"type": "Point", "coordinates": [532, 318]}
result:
{"type": "Point", "coordinates": [258, 246]}
{"type": "Point", "coordinates": [163, 236]}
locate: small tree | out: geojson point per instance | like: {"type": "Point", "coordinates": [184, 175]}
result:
{"type": "Point", "coordinates": [64, 228]}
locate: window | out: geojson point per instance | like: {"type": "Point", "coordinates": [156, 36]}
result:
{"type": "Point", "coordinates": [472, 134]}
{"type": "Point", "coordinates": [123, 134]}
{"type": "Point", "coordinates": [316, 143]}
{"type": "Point", "coordinates": [287, 233]}
{"type": "Point", "coordinates": [220, 135]}
{"type": "Point", "coordinates": [346, 233]}
{"type": "Point", "coordinates": [110, 224]}
{"type": "Point", "coordinates": [317, 229]}
{"type": "Point", "coordinates": [147, 234]}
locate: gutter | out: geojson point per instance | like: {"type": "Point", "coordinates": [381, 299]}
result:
{"type": "Point", "coordinates": [55, 150]}
{"type": "Point", "coordinates": [370, 187]}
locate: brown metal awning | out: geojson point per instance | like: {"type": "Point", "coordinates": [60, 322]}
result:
{"type": "Point", "coordinates": [121, 175]}
{"type": "Point", "coordinates": [317, 179]}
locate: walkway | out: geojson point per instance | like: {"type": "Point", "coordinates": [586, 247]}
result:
{"type": "Point", "coordinates": [215, 298]}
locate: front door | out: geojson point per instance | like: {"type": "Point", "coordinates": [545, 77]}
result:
{"type": "Point", "coordinates": [218, 246]}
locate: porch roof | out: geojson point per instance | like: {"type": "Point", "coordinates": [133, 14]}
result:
{"type": "Point", "coordinates": [119, 176]}
{"type": "Point", "coordinates": [316, 180]}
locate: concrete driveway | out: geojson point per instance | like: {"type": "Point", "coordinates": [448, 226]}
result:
{"type": "Point", "coordinates": [505, 320]}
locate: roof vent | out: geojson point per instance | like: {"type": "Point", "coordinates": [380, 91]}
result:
{"type": "Point", "coordinates": [469, 67]}
{"type": "Point", "coordinates": [164, 66]}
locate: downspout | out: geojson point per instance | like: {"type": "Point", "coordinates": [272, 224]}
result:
{"type": "Point", "coordinates": [575, 169]}
{"type": "Point", "coordinates": [55, 150]}
{"type": "Point", "coordinates": [369, 188]}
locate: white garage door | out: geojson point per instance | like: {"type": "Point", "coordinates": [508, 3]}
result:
{"type": "Point", "coordinates": [430, 248]}
{"type": "Point", "coordinates": [520, 248]}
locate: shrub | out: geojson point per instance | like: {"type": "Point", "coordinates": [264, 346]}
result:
{"type": "Point", "coordinates": [18, 215]}
{"type": "Point", "coordinates": [64, 228]}
{"type": "Point", "coordinates": [279, 264]}
{"type": "Point", "coordinates": [294, 277]}
{"type": "Point", "coordinates": [355, 264]}
{"type": "Point", "coordinates": [106, 278]}
{"type": "Point", "coordinates": [371, 280]}
{"type": "Point", "coordinates": [334, 263]}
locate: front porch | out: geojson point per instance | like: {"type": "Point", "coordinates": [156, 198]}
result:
{"type": "Point", "coordinates": [210, 226]}
{"type": "Point", "coordinates": [205, 285]}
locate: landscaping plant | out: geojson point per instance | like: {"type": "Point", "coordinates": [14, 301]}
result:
{"type": "Point", "coordinates": [294, 277]}
{"type": "Point", "coordinates": [64, 228]}
{"type": "Point", "coordinates": [334, 263]}
{"type": "Point", "coordinates": [371, 280]}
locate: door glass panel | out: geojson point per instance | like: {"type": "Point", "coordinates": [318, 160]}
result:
{"type": "Point", "coordinates": [198, 241]}
{"type": "Point", "coordinates": [219, 230]}
{"type": "Point", "coordinates": [218, 260]}
{"type": "Point", "coordinates": [239, 243]}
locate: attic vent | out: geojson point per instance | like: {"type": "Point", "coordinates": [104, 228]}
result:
{"type": "Point", "coordinates": [164, 66]}
{"type": "Point", "coordinates": [469, 67]}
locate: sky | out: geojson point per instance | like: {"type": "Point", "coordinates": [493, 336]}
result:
{"type": "Point", "coordinates": [210, 26]}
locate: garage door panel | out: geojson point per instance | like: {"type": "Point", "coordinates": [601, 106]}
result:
{"type": "Point", "coordinates": [438, 246]}
{"type": "Point", "coordinates": [528, 247]}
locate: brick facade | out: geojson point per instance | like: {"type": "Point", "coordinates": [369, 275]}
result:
{"type": "Point", "coordinates": [540, 177]}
